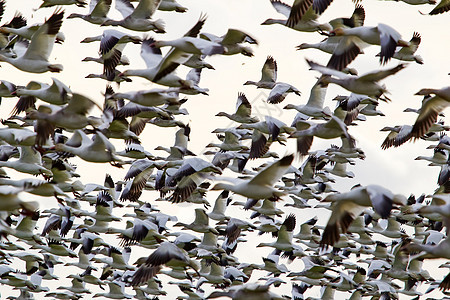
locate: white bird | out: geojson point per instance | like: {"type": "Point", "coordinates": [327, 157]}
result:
{"type": "Point", "coordinates": [279, 90]}
{"type": "Point", "coordinates": [98, 9]}
{"type": "Point", "coordinates": [232, 41]}
{"type": "Point", "coordinates": [314, 107]}
{"type": "Point", "coordinates": [35, 58]}
{"type": "Point", "coordinates": [30, 162]}
{"type": "Point", "coordinates": [409, 53]}
{"type": "Point", "coordinates": [307, 22]}
{"type": "Point", "coordinates": [384, 35]}
{"type": "Point", "coordinates": [137, 19]}
{"type": "Point", "coordinates": [431, 107]}
{"type": "Point", "coordinates": [70, 117]}
{"type": "Point", "coordinates": [166, 254]}
{"type": "Point", "coordinates": [57, 93]}
{"type": "Point", "coordinates": [366, 84]}
{"type": "Point", "coordinates": [347, 206]}
{"type": "Point", "coordinates": [98, 149]}
{"type": "Point", "coordinates": [161, 69]}
{"type": "Point", "coordinates": [306, 131]}
{"type": "Point", "coordinates": [262, 185]}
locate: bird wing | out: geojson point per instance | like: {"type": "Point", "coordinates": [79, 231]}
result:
{"type": "Point", "coordinates": [442, 7]}
{"type": "Point", "coordinates": [327, 71]}
{"type": "Point", "coordinates": [125, 7]}
{"type": "Point", "coordinates": [271, 174]}
{"type": "Point", "coordinates": [145, 9]}
{"type": "Point", "coordinates": [152, 56]}
{"type": "Point", "coordinates": [413, 45]}
{"type": "Point", "coordinates": [243, 106]}
{"type": "Point", "coordinates": [299, 8]}
{"type": "Point", "coordinates": [79, 104]}
{"type": "Point", "coordinates": [269, 70]}
{"type": "Point", "coordinates": [281, 7]}
{"type": "Point", "coordinates": [100, 8]}
{"type": "Point", "coordinates": [343, 214]}
{"type": "Point", "coordinates": [381, 199]}
{"type": "Point", "coordinates": [235, 36]}
{"type": "Point", "coordinates": [389, 38]}
{"type": "Point", "coordinates": [378, 75]}
{"type": "Point", "coordinates": [428, 115]}
{"type": "Point", "coordinates": [345, 52]}
{"type": "Point", "coordinates": [43, 39]}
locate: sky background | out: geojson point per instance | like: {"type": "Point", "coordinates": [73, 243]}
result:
{"type": "Point", "coordinates": [395, 169]}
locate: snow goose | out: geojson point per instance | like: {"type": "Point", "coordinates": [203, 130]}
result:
{"type": "Point", "coordinates": [279, 90]}
{"type": "Point", "coordinates": [140, 171]}
{"type": "Point", "coordinates": [200, 223]}
{"type": "Point", "coordinates": [218, 212]}
{"type": "Point", "coordinates": [231, 142]}
{"type": "Point", "coordinates": [327, 45]}
{"type": "Point", "coordinates": [264, 134]}
{"type": "Point", "coordinates": [397, 135]}
{"type": "Point", "coordinates": [27, 32]}
{"type": "Point", "coordinates": [385, 36]}
{"type": "Point", "coordinates": [87, 277]}
{"type": "Point", "coordinates": [232, 41]}
{"type": "Point", "coordinates": [307, 23]}
{"type": "Point", "coordinates": [261, 186]}
{"type": "Point", "coordinates": [116, 291]}
{"type": "Point", "coordinates": [56, 93]}
{"type": "Point", "coordinates": [314, 107]}
{"type": "Point", "coordinates": [153, 97]}
{"type": "Point", "coordinates": [189, 176]}
{"type": "Point", "coordinates": [159, 69]}
{"type": "Point", "coordinates": [408, 53]}
{"type": "Point", "coordinates": [35, 57]}
{"type": "Point", "coordinates": [98, 149]}
{"type": "Point", "coordinates": [55, 247]}
{"type": "Point", "coordinates": [345, 48]}
{"type": "Point", "coordinates": [30, 162]}
{"type": "Point", "coordinates": [137, 19]}
{"type": "Point", "coordinates": [77, 287]}
{"type": "Point", "coordinates": [70, 117]}
{"type": "Point", "coordinates": [115, 259]}
{"type": "Point", "coordinates": [112, 44]}
{"type": "Point", "coordinates": [98, 9]}
{"type": "Point", "coordinates": [16, 22]}
{"type": "Point", "coordinates": [11, 201]}
{"type": "Point", "coordinates": [215, 276]}
{"type": "Point", "coordinates": [347, 206]}
{"type": "Point", "coordinates": [124, 61]}
{"type": "Point", "coordinates": [247, 291]}
{"type": "Point", "coordinates": [268, 74]}
{"type": "Point", "coordinates": [284, 238]}
{"type": "Point", "coordinates": [166, 254]}
{"type": "Point", "coordinates": [306, 131]}
{"type": "Point", "coordinates": [366, 84]}
{"type": "Point", "coordinates": [50, 3]}
{"type": "Point", "coordinates": [138, 232]}
{"type": "Point", "coordinates": [193, 45]}
{"type": "Point", "coordinates": [193, 77]}
{"type": "Point", "coordinates": [431, 107]}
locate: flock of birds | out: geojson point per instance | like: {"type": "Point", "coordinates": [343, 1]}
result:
{"type": "Point", "coordinates": [375, 241]}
